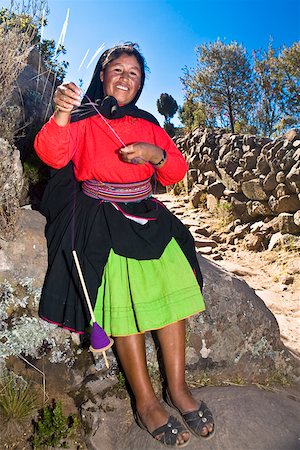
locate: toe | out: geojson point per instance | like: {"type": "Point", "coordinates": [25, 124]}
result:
{"type": "Point", "coordinates": [209, 428]}
{"type": "Point", "coordinates": [204, 431]}
{"type": "Point", "coordinates": [183, 438]}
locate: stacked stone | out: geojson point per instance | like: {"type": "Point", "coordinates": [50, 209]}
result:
{"type": "Point", "coordinates": [260, 178]}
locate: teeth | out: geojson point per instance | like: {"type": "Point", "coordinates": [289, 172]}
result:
{"type": "Point", "coordinates": [123, 88]}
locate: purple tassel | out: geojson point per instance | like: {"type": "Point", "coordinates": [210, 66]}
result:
{"type": "Point", "coordinates": [99, 338]}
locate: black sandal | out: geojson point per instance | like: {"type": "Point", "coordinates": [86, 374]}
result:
{"type": "Point", "coordinates": [169, 431]}
{"type": "Point", "coordinates": [196, 420]}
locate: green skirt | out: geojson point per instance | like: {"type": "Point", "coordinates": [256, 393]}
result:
{"type": "Point", "coordinates": [140, 295]}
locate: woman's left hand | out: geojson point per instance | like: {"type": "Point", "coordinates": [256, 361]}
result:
{"type": "Point", "coordinates": [141, 152]}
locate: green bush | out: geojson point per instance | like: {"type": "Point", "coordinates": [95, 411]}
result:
{"type": "Point", "coordinates": [52, 428]}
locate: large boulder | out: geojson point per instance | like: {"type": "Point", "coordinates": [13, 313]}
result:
{"type": "Point", "coordinates": [237, 335]}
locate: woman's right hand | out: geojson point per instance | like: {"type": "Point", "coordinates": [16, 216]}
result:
{"type": "Point", "coordinates": [66, 97]}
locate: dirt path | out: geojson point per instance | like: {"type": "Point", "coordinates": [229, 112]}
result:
{"type": "Point", "coordinates": [274, 275]}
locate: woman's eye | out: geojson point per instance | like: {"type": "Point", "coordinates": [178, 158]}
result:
{"type": "Point", "coordinates": [133, 74]}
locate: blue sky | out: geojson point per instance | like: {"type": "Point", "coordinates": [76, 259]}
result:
{"type": "Point", "coordinates": [168, 32]}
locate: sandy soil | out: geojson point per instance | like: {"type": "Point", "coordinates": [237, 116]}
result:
{"type": "Point", "coordinates": [274, 275]}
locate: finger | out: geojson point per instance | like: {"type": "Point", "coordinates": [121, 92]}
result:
{"type": "Point", "coordinates": [72, 86]}
{"type": "Point", "coordinates": [127, 150]}
{"type": "Point", "coordinates": [65, 102]}
{"type": "Point", "coordinates": [137, 160]}
{"type": "Point", "coordinates": [67, 94]}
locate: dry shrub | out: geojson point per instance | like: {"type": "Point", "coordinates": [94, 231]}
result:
{"type": "Point", "coordinates": [11, 174]}
{"type": "Point", "coordinates": [15, 46]}
{"type": "Point", "coordinates": [9, 119]}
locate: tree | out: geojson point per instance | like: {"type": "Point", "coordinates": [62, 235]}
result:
{"type": "Point", "coordinates": [277, 78]}
{"type": "Point", "coordinates": [167, 106]}
{"type": "Point", "coordinates": [222, 82]}
{"type": "Point", "coordinates": [267, 111]}
{"type": "Point", "coordinates": [289, 70]}
{"type": "Point", "coordinates": [194, 114]}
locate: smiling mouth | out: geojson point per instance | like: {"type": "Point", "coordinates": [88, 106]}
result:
{"type": "Point", "coordinates": [123, 88]}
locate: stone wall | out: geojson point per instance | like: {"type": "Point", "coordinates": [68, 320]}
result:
{"type": "Point", "coordinates": [257, 176]}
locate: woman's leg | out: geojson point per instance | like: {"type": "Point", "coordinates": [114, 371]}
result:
{"type": "Point", "coordinates": [132, 354]}
{"type": "Point", "coordinates": [172, 343]}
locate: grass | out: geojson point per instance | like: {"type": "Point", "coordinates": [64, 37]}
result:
{"type": "Point", "coordinates": [18, 399]}
{"type": "Point", "coordinates": [224, 213]}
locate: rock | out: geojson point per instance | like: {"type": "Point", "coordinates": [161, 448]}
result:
{"type": "Point", "coordinates": [239, 209]}
{"type": "Point", "coordinates": [228, 181]}
{"type": "Point", "coordinates": [203, 231]}
{"type": "Point", "coordinates": [248, 161]}
{"type": "Point", "coordinates": [269, 182]}
{"type": "Point", "coordinates": [193, 176]}
{"type": "Point", "coordinates": [205, 250]}
{"type": "Point", "coordinates": [217, 257]}
{"type": "Point", "coordinates": [258, 209]}
{"type": "Point", "coordinates": [90, 416]}
{"type": "Point", "coordinates": [191, 356]}
{"type": "Point", "coordinates": [281, 190]}
{"type": "Point", "coordinates": [287, 241]}
{"type": "Point", "coordinates": [205, 243]}
{"type": "Point", "coordinates": [218, 237]}
{"type": "Point", "coordinates": [288, 203]}
{"type": "Point", "coordinates": [275, 240]}
{"type": "Point", "coordinates": [189, 222]}
{"type": "Point", "coordinates": [216, 189]}
{"type": "Point", "coordinates": [294, 175]}
{"type": "Point", "coordinates": [254, 242]}
{"type": "Point", "coordinates": [257, 226]}
{"type": "Point", "coordinates": [280, 177]}
{"type": "Point", "coordinates": [286, 224]}
{"type": "Point", "coordinates": [242, 408]}
{"type": "Point", "coordinates": [197, 192]}
{"type": "Point", "coordinates": [5, 264]}
{"type": "Point", "coordinates": [297, 218]}
{"type": "Point", "coordinates": [286, 279]}
{"type": "Point", "coordinates": [240, 231]}
{"type": "Point", "coordinates": [253, 190]}
{"type": "Point", "coordinates": [211, 202]}
{"type": "Point", "coordinates": [29, 245]}
{"type": "Point", "coordinates": [292, 134]}
{"type": "Point", "coordinates": [262, 164]}
{"type": "Point", "coordinates": [237, 328]}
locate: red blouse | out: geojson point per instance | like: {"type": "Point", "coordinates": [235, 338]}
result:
{"type": "Point", "coordinates": [94, 149]}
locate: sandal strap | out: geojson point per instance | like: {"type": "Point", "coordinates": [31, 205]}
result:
{"type": "Point", "coordinates": [169, 431]}
{"type": "Point", "coordinates": [198, 419]}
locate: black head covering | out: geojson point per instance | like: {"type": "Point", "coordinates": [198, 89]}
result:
{"type": "Point", "coordinates": [94, 101]}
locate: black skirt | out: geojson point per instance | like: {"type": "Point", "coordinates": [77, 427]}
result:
{"type": "Point", "coordinates": [92, 228]}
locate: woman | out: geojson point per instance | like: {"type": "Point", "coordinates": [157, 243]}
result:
{"type": "Point", "coordinates": [138, 259]}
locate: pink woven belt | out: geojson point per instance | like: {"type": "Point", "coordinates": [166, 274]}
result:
{"type": "Point", "coordinates": [117, 192]}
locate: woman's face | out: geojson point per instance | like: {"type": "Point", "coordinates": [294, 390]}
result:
{"type": "Point", "coordinates": [121, 78]}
